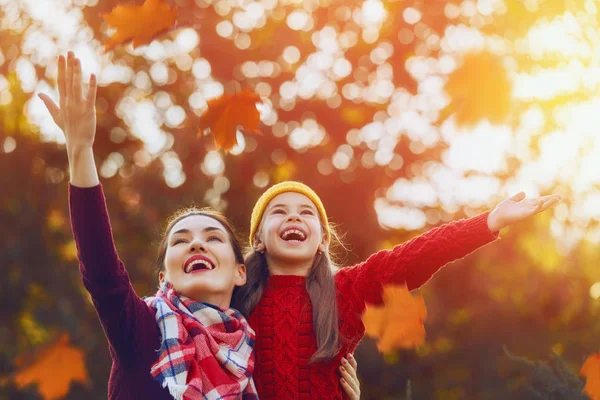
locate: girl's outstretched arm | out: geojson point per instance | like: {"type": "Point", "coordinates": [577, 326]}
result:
{"type": "Point", "coordinates": [415, 261]}
{"type": "Point", "coordinates": [122, 313]}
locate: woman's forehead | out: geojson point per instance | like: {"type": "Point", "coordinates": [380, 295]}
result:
{"type": "Point", "coordinates": [291, 199]}
{"type": "Point", "coordinates": [197, 223]}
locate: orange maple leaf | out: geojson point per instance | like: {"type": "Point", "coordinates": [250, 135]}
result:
{"type": "Point", "coordinates": [53, 369]}
{"type": "Point", "coordinates": [398, 323]}
{"type": "Point", "coordinates": [479, 89]}
{"type": "Point", "coordinates": [139, 23]}
{"type": "Point", "coordinates": [226, 113]}
{"type": "Point", "coordinates": [591, 371]}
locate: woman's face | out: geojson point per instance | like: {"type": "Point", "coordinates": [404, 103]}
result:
{"type": "Point", "coordinates": [200, 262]}
{"type": "Point", "coordinates": [291, 229]}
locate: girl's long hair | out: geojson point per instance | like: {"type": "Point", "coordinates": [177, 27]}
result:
{"type": "Point", "coordinates": [320, 285]}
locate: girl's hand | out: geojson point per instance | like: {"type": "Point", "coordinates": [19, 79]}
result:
{"type": "Point", "coordinates": [518, 208]}
{"type": "Point", "coordinates": [76, 115]}
{"type": "Point", "coordinates": [349, 380]}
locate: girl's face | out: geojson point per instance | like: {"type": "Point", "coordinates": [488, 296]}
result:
{"type": "Point", "coordinates": [200, 262]}
{"type": "Point", "coordinates": [291, 229]}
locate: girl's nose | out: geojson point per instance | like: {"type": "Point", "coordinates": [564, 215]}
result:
{"type": "Point", "coordinates": [293, 217]}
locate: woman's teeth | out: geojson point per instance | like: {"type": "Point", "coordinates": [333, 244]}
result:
{"type": "Point", "coordinates": [204, 265]}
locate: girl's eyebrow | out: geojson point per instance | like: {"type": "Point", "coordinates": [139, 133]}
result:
{"type": "Point", "coordinates": [285, 206]}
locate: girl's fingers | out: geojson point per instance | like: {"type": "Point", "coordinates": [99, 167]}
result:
{"type": "Point", "coordinates": [91, 94]}
{"type": "Point", "coordinates": [549, 202]}
{"type": "Point", "coordinates": [518, 197]}
{"type": "Point", "coordinates": [77, 79]}
{"type": "Point", "coordinates": [52, 107]}
{"type": "Point", "coordinates": [62, 84]}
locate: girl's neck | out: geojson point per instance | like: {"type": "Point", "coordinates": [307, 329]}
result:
{"type": "Point", "coordinates": [277, 267]}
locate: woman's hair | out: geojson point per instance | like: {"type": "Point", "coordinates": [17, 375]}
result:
{"type": "Point", "coordinates": [320, 285]}
{"type": "Point", "coordinates": [188, 212]}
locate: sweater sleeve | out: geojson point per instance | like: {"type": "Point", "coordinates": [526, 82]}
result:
{"type": "Point", "coordinates": [126, 319]}
{"type": "Point", "coordinates": [413, 262]}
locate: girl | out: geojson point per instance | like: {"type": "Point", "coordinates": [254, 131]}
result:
{"type": "Point", "coordinates": [185, 342]}
{"type": "Point", "coordinates": [309, 316]}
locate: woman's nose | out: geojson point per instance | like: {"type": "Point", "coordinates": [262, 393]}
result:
{"type": "Point", "coordinates": [197, 246]}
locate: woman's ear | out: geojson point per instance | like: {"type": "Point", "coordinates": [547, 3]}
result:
{"type": "Point", "coordinates": [240, 276]}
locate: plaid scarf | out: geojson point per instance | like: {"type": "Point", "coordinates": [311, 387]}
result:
{"type": "Point", "coordinates": [206, 352]}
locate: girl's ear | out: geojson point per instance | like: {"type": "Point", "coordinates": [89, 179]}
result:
{"type": "Point", "coordinates": [240, 276]}
{"type": "Point", "coordinates": [161, 277]}
{"type": "Point", "coordinates": [258, 246]}
{"type": "Point", "coordinates": [323, 245]}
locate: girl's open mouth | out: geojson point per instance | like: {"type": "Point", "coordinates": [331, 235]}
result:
{"type": "Point", "coordinates": [293, 235]}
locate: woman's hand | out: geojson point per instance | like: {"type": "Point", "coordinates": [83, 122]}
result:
{"type": "Point", "coordinates": [349, 380]}
{"type": "Point", "coordinates": [518, 208]}
{"type": "Point", "coordinates": [76, 115]}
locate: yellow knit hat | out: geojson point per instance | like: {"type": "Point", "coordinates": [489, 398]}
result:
{"type": "Point", "coordinates": [284, 187]}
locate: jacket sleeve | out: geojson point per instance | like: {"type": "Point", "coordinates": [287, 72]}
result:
{"type": "Point", "coordinates": [121, 312]}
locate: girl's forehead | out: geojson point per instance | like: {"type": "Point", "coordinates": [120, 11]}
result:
{"type": "Point", "coordinates": [291, 199]}
{"type": "Point", "coordinates": [197, 223]}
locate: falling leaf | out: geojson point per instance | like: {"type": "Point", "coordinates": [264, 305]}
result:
{"type": "Point", "coordinates": [226, 113]}
{"type": "Point", "coordinates": [54, 369]}
{"type": "Point", "coordinates": [398, 323]}
{"type": "Point", "coordinates": [139, 23]}
{"type": "Point", "coordinates": [591, 371]}
{"type": "Point", "coordinates": [479, 89]}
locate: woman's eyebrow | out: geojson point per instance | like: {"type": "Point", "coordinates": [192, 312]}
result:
{"type": "Point", "coordinates": [213, 228]}
{"type": "Point", "coordinates": [207, 229]}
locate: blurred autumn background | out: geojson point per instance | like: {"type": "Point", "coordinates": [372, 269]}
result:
{"type": "Point", "coordinates": [401, 114]}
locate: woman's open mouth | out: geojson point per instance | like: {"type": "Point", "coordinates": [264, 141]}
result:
{"type": "Point", "coordinates": [198, 263]}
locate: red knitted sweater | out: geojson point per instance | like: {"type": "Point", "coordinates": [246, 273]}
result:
{"type": "Point", "coordinates": [283, 318]}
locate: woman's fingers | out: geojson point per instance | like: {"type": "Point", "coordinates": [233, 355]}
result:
{"type": "Point", "coordinates": [77, 92]}
{"type": "Point", "coordinates": [350, 381]}
{"type": "Point", "coordinates": [62, 84]}
{"type": "Point", "coordinates": [69, 79]}
{"type": "Point", "coordinates": [352, 362]}
{"type": "Point", "coordinates": [53, 108]}
{"type": "Point", "coordinates": [349, 390]}
{"type": "Point", "coordinates": [91, 94]}
{"type": "Point", "coordinates": [348, 372]}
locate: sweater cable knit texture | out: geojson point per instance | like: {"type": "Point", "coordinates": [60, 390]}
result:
{"type": "Point", "coordinates": [283, 317]}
